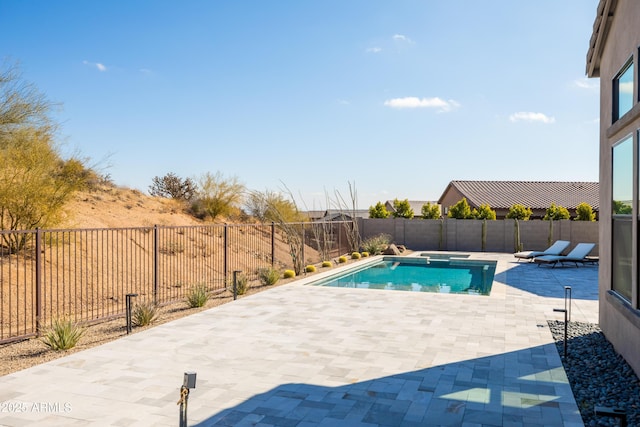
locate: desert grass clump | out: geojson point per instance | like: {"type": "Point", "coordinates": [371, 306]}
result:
{"type": "Point", "coordinates": [197, 296]}
{"type": "Point", "coordinates": [288, 274]}
{"type": "Point", "coordinates": [327, 264]}
{"type": "Point", "coordinates": [356, 255]}
{"type": "Point", "coordinates": [310, 269]}
{"type": "Point", "coordinates": [268, 276]}
{"type": "Point", "coordinates": [342, 259]}
{"type": "Point", "coordinates": [365, 254]}
{"type": "Point", "coordinates": [376, 244]}
{"type": "Point", "coordinates": [63, 334]}
{"type": "Point", "coordinates": [242, 284]}
{"type": "Point", "coordinates": [144, 314]}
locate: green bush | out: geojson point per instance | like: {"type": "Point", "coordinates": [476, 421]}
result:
{"type": "Point", "coordinates": [63, 334]}
{"type": "Point", "coordinates": [402, 209]}
{"type": "Point", "coordinates": [327, 264]}
{"type": "Point", "coordinates": [460, 210]}
{"type": "Point", "coordinates": [197, 296]}
{"type": "Point", "coordinates": [378, 211]}
{"type": "Point", "coordinates": [365, 254]}
{"type": "Point", "coordinates": [484, 212]}
{"type": "Point", "coordinates": [342, 259]}
{"type": "Point", "coordinates": [584, 212]}
{"type": "Point", "coordinates": [556, 212]}
{"type": "Point", "coordinates": [144, 314]}
{"type": "Point", "coordinates": [269, 276]}
{"type": "Point", "coordinates": [376, 244]}
{"type": "Point", "coordinates": [288, 274]}
{"type": "Point", "coordinates": [310, 269]}
{"type": "Point", "coordinates": [520, 212]}
{"type": "Point", "coordinates": [356, 255]}
{"type": "Point", "coordinates": [430, 211]}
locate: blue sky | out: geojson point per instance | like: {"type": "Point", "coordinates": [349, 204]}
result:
{"type": "Point", "coordinates": [395, 97]}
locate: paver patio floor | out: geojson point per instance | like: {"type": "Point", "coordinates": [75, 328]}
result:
{"type": "Point", "coordinates": [299, 355]}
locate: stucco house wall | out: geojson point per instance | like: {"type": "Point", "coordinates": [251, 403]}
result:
{"type": "Point", "coordinates": [615, 40]}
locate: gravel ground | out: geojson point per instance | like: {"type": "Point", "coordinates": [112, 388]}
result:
{"type": "Point", "coordinates": [598, 375]}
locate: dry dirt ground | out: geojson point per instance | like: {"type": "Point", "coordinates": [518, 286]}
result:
{"type": "Point", "coordinates": [111, 207]}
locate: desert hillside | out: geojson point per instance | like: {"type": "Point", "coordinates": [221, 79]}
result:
{"type": "Point", "coordinates": [113, 207]}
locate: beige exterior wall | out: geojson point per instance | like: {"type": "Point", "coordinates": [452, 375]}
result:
{"type": "Point", "coordinates": [619, 321]}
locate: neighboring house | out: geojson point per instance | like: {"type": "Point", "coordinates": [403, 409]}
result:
{"type": "Point", "coordinates": [613, 57]}
{"type": "Point", "coordinates": [416, 205]}
{"type": "Point", "coordinates": [337, 215]}
{"type": "Point", "coordinates": [537, 195]}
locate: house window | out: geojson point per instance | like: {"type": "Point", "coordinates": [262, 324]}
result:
{"type": "Point", "coordinates": [623, 91]}
{"type": "Point", "coordinates": [622, 205]}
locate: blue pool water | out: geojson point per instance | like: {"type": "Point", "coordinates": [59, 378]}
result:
{"type": "Point", "coordinates": [450, 275]}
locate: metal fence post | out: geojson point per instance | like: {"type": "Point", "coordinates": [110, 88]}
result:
{"type": "Point", "coordinates": [225, 244]}
{"type": "Point", "coordinates": [156, 263]}
{"type": "Point", "coordinates": [38, 272]}
{"type": "Point", "coordinates": [303, 263]}
{"type": "Point", "coordinates": [273, 243]}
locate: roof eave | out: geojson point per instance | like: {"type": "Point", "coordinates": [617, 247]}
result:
{"type": "Point", "coordinates": [601, 27]}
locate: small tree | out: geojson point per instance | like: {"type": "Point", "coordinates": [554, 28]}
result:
{"type": "Point", "coordinates": [484, 212]}
{"type": "Point", "coordinates": [584, 212]}
{"type": "Point", "coordinates": [520, 212]}
{"type": "Point", "coordinates": [556, 212]}
{"type": "Point", "coordinates": [430, 211]}
{"type": "Point", "coordinates": [402, 209]}
{"type": "Point", "coordinates": [460, 210]}
{"type": "Point", "coordinates": [621, 208]}
{"type": "Point", "coordinates": [378, 211]}
{"type": "Point", "coordinates": [217, 196]}
{"type": "Point", "coordinates": [173, 187]}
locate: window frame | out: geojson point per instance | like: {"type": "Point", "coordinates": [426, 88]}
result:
{"type": "Point", "coordinates": [615, 114]}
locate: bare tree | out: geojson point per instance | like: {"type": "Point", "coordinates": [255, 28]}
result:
{"type": "Point", "coordinates": [351, 208]}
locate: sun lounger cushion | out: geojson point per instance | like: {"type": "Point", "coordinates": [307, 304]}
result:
{"type": "Point", "coordinates": [577, 255]}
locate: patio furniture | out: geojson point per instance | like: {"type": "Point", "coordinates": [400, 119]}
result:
{"type": "Point", "coordinates": [555, 249]}
{"type": "Point", "coordinates": [579, 254]}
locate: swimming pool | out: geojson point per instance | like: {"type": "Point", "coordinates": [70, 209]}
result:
{"type": "Point", "coordinates": [446, 275]}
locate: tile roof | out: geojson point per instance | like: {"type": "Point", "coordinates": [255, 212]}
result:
{"type": "Point", "coordinates": [533, 194]}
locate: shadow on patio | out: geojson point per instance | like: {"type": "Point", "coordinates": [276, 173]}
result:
{"type": "Point", "coordinates": [511, 388]}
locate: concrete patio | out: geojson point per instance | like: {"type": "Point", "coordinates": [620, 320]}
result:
{"type": "Point", "coordinates": [299, 355]}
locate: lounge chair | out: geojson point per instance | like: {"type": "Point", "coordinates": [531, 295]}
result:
{"type": "Point", "coordinates": [577, 255]}
{"type": "Point", "coordinates": [555, 249]}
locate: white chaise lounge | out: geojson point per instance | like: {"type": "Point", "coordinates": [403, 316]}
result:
{"type": "Point", "coordinates": [555, 249]}
{"type": "Point", "coordinates": [578, 255]}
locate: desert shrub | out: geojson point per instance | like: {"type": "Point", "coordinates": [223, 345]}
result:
{"type": "Point", "coordinates": [197, 296]}
{"type": "Point", "coordinates": [365, 254]}
{"type": "Point", "coordinates": [242, 284]}
{"type": "Point", "coordinates": [288, 274]}
{"type": "Point", "coordinates": [376, 244]}
{"type": "Point", "coordinates": [520, 212]}
{"type": "Point", "coordinates": [556, 212]}
{"type": "Point", "coordinates": [63, 334]}
{"type": "Point", "coordinates": [342, 259]}
{"type": "Point", "coordinates": [172, 248]}
{"type": "Point", "coordinates": [430, 211]}
{"type": "Point", "coordinates": [268, 276]}
{"type": "Point", "coordinates": [356, 255]}
{"type": "Point", "coordinates": [144, 314]}
{"type": "Point", "coordinates": [327, 264]}
{"type": "Point", "coordinates": [378, 211]}
{"type": "Point", "coordinates": [584, 212]}
{"type": "Point", "coordinates": [310, 269]}
{"type": "Point", "coordinates": [174, 187]}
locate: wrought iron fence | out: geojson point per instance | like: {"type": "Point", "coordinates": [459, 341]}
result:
{"type": "Point", "coordinates": [85, 274]}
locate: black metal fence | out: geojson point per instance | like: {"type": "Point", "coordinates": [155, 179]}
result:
{"type": "Point", "coordinates": [85, 274]}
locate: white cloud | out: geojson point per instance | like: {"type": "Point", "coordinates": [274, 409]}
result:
{"type": "Point", "coordinates": [626, 87]}
{"type": "Point", "coordinates": [526, 116]}
{"type": "Point", "coordinates": [413, 102]}
{"type": "Point", "coordinates": [374, 50]}
{"type": "Point", "coordinates": [99, 66]}
{"type": "Point", "coordinates": [401, 38]}
{"type": "Point", "coordinates": [586, 83]}
{"type": "Point", "coordinates": [343, 102]}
